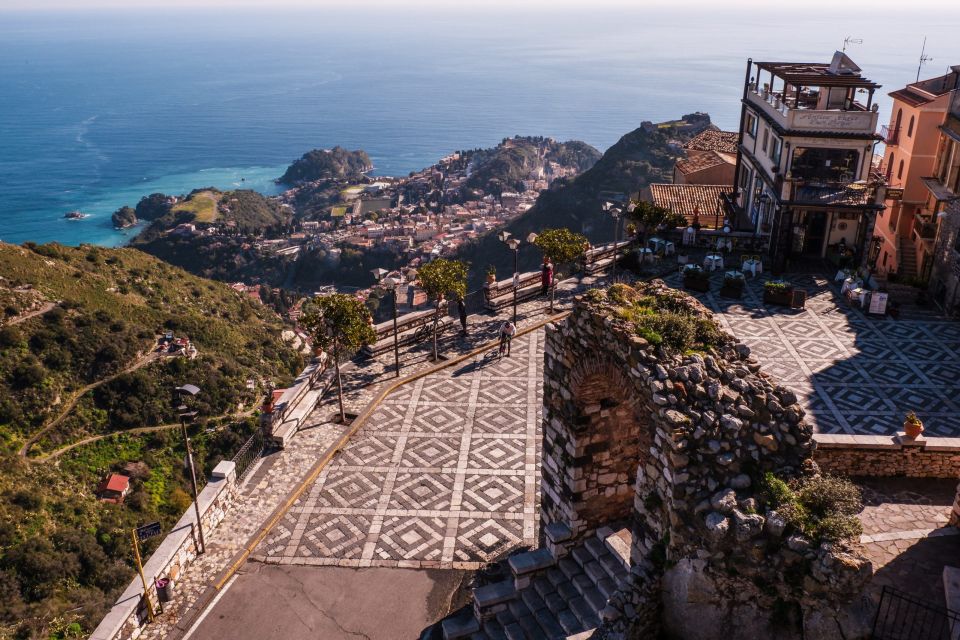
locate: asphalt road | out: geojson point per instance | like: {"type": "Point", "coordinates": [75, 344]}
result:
{"type": "Point", "coordinates": [274, 602]}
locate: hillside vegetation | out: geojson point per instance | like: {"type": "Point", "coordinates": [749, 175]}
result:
{"type": "Point", "coordinates": [327, 164]}
{"type": "Point", "coordinates": [60, 549]}
{"type": "Point", "coordinates": [639, 158]}
{"type": "Point", "coordinates": [503, 167]}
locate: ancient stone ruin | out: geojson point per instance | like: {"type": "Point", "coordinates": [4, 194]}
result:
{"type": "Point", "coordinates": [681, 439]}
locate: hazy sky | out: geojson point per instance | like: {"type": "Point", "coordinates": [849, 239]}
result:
{"type": "Point", "coordinates": [918, 9]}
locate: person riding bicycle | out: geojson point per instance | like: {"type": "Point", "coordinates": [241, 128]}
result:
{"type": "Point", "coordinates": [507, 331]}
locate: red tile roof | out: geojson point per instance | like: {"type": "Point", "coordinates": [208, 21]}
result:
{"type": "Point", "coordinates": [691, 200]}
{"type": "Point", "coordinates": [703, 161]}
{"type": "Point", "coordinates": [116, 482]}
{"type": "Point", "coordinates": [713, 140]}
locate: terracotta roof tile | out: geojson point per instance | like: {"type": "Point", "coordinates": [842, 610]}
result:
{"type": "Point", "coordinates": [713, 140]}
{"type": "Point", "coordinates": [691, 199]}
{"type": "Point", "coordinates": [703, 161]}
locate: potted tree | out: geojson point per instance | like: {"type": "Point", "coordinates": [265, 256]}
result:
{"type": "Point", "coordinates": [339, 324]}
{"type": "Point", "coordinates": [438, 279]}
{"type": "Point", "coordinates": [778, 292]}
{"type": "Point", "coordinates": [732, 287]}
{"type": "Point", "coordinates": [696, 279]}
{"type": "Point", "coordinates": [912, 426]}
{"type": "Point", "coordinates": [491, 274]}
{"type": "Point", "coordinates": [560, 246]}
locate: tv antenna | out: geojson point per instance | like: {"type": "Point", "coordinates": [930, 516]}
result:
{"type": "Point", "coordinates": [924, 58]}
{"type": "Point", "coordinates": [849, 40]}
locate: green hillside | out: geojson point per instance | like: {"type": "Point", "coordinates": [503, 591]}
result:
{"type": "Point", "coordinates": [641, 157]}
{"type": "Point", "coordinates": [83, 369]}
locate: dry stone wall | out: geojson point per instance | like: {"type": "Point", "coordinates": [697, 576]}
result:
{"type": "Point", "coordinates": [688, 437]}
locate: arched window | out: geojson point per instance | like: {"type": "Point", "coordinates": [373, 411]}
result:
{"type": "Point", "coordinates": [910, 127]}
{"type": "Point", "coordinates": [896, 127]}
{"type": "Point", "coordinates": [890, 168]}
{"type": "Point", "coordinates": [900, 170]}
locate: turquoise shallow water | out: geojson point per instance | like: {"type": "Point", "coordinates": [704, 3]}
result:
{"type": "Point", "coordinates": [99, 109]}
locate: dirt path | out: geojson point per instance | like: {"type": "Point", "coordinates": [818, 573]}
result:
{"type": "Point", "coordinates": [47, 306]}
{"type": "Point", "coordinates": [160, 427]}
{"type": "Point", "coordinates": [75, 398]}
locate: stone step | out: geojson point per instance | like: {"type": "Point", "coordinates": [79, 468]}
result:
{"type": "Point", "coordinates": [551, 627]}
{"type": "Point", "coordinates": [585, 614]}
{"type": "Point", "coordinates": [494, 630]}
{"type": "Point", "coordinates": [569, 567]}
{"type": "Point", "coordinates": [607, 587]}
{"type": "Point", "coordinates": [459, 627]}
{"type": "Point", "coordinates": [514, 631]}
{"type": "Point", "coordinates": [569, 621]}
{"type": "Point", "coordinates": [532, 599]}
{"type": "Point", "coordinates": [595, 546]}
{"type": "Point", "coordinates": [581, 555]}
{"type": "Point", "coordinates": [595, 599]}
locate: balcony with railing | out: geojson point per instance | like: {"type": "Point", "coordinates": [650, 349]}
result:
{"type": "Point", "coordinates": [891, 135]}
{"type": "Point", "coordinates": [797, 111]}
{"type": "Point", "coordinates": [924, 229]}
{"type": "Point", "coordinates": [848, 194]}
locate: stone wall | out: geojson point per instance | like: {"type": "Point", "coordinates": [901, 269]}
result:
{"type": "Point", "coordinates": [881, 456]}
{"type": "Point", "coordinates": [698, 430]}
{"type": "Point", "coordinates": [127, 617]}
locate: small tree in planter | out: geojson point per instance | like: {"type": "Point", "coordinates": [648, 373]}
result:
{"type": "Point", "coordinates": [778, 292]}
{"type": "Point", "coordinates": [560, 246]}
{"type": "Point", "coordinates": [696, 280]}
{"type": "Point", "coordinates": [649, 217]}
{"type": "Point", "coordinates": [340, 324]}
{"type": "Point", "coordinates": [439, 278]}
{"type": "Point", "coordinates": [732, 287]}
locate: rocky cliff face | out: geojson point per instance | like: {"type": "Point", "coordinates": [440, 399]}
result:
{"type": "Point", "coordinates": [327, 164]}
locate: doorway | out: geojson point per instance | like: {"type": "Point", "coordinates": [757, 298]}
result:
{"type": "Point", "coordinates": [816, 231]}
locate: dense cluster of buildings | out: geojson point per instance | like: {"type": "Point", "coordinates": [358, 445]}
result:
{"type": "Point", "coordinates": [810, 175]}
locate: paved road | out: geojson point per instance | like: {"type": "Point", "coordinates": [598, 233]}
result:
{"type": "Point", "coordinates": [269, 602]}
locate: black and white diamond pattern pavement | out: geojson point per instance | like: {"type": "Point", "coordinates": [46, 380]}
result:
{"type": "Point", "coordinates": [853, 373]}
{"type": "Point", "coordinates": [443, 474]}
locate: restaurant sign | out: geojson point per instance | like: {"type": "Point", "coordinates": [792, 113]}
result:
{"type": "Point", "coordinates": [895, 194]}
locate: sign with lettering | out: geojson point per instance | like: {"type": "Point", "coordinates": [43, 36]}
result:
{"type": "Point", "coordinates": [878, 303]}
{"type": "Point", "coordinates": [827, 120]}
{"type": "Point", "coordinates": [894, 194]}
{"type": "Point", "coordinates": [148, 531]}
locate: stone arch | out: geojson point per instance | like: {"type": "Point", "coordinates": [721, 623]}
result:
{"type": "Point", "coordinates": [615, 439]}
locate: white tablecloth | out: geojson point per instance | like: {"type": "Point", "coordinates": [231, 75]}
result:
{"type": "Point", "coordinates": [669, 249]}
{"type": "Point", "coordinates": [646, 255]}
{"type": "Point", "coordinates": [713, 262]}
{"type": "Point", "coordinates": [753, 266]}
{"type": "Point", "coordinates": [848, 285]}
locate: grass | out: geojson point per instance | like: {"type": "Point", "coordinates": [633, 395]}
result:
{"type": "Point", "coordinates": [203, 206]}
{"type": "Point", "coordinates": [338, 212]}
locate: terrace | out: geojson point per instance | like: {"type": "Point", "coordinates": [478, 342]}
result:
{"type": "Point", "coordinates": [814, 97]}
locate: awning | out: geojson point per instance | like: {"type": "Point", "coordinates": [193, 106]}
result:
{"type": "Point", "coordinates": [940, 192]}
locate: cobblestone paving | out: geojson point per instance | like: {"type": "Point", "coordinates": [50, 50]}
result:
{"type": "Point", "coordinates": [905, 534]}
{"type": "Point", "coordinates": [854, 373]}
{"type": "Point", "coordinates": [444, 473]}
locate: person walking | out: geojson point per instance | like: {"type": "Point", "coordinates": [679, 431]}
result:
{"type": "Point", "coordinates": [546, 276]}
{"type": "Point", "coordinates": [462, 312]}
{"type": "Point", "coordinates": [507, 331]}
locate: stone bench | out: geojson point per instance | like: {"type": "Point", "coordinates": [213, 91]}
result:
{"type": "Point", "coordinates": [500, 294]}
{"type": "Point", "coordinates": [408, 336]}
{"type": "Point", "coordinates": [491, 599]}
{"type": "Point", "coordinates": [503, 301]}
{"type": "Point", "coordinates": [526, 566]}
{"type": "Point", "coordinates": [404, 322]}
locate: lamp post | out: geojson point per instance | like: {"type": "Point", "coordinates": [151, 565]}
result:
{"type": "Point", "coordinates": [184, 414]}
{"type": "Point", "coordinates": [391, 284]}
{"type": "Point", "coordinates": [615, 211]}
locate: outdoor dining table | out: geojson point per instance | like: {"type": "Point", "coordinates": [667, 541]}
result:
{"type": "Point", "coordinates": [646, 255]}
{"type": "Point", "coordinates": [753, 266]}
{"type": "Point", "coordinates": [858, 294]}
{"type": "Point", "coordinates": [713, 261]}
{"type": "Point", "coordinates": [849, 284]}
{"type": "Point", "coordinates": [738, 275]}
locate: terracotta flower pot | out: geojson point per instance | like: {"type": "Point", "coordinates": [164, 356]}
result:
{"type": "Point", "coordinates": [912, 429]}
{"type": "Point", "coordinates": [491, 278]}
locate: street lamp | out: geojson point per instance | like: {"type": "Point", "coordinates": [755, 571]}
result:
{"type": "Point", "coordinates": [185, 414]}
{"type": "Point", "coordinates": [514, 245]}
{"type": "Point", "coordinates": [615, 210]}
{"type": "Point", "coordinates": [391, 284]}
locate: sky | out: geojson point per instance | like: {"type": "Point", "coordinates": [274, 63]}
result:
{"type": "Point", "coordinates": [926, 6]}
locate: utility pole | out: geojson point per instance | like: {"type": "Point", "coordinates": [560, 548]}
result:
{"type": "Point", "coordinates": [184, 414]}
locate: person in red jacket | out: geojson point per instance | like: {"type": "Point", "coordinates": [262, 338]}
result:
{"type": "Point", "coordinates": [546, 276]}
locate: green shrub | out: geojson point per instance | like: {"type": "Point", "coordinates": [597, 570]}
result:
{"type": "Point", "coordinates": [821, 507]}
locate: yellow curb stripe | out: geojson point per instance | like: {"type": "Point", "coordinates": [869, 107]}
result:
{"type": "Point", "coordinates": [357, 423]}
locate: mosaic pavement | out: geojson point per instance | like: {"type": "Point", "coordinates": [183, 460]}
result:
{"type": "Point", "coordinates": [853, 373]}
{"type": "Point", "coordinates": [444, 473]}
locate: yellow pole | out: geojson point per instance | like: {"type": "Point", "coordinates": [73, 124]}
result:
{"type": "Point", "coordinates": [146, 592]}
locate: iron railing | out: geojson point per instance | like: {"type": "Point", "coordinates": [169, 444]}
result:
{"type": "Point", "coordinates": [249, 453]}
{"type": "Point", "coordinates": [901, 616]}
{"type": "Point", "coordinates": [891, 135]}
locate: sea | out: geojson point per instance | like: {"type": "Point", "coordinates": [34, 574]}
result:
{"type": "Point", "coordinates": [99, 108]}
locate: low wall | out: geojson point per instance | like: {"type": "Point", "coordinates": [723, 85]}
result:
{"type": "Point", "coordinates": [126, 618]}
{"type": "Point", "coordinates": [882, 456]}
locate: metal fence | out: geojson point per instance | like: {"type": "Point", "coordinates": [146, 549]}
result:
{"type": "Point", "coordinates": [249, 453]}
{"type": "Point", "coordinates": [901, 616]}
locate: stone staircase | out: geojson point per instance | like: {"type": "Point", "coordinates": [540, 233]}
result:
{"type": "Point", "coordinates": [907, 262]}
{"type": "Point", "coordinates": [555, 593]}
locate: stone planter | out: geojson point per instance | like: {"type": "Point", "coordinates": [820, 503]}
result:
{"type": "Point", "coordinates": [696, 281]}
{"type": "Point", "coordinates": [783, 298]}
